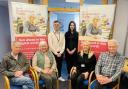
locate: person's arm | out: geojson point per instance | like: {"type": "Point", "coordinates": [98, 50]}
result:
{"type": "Point", "coordinates": [119, 69]}
{"type": "Point", "coordinates": [4, 67]}
{"type": "Point", "coordinates": [76, 42]}
{"type": "Point", "coordinates": [50, 43]}
{"type": "Point", "coordinates": [66, 41]}
{"type": "Point", "coordinates": [53, 67]}
{"type": "Point", "coordinates": [26, 63]}
{"type": "Point", "coordinates": [98, 65]}
{"type": "Point", "coordinates": [62, 44]}
{"type": "Point", "coordinates": [34, 63]}
{"type": "Point", "coordinates": [93, 63]}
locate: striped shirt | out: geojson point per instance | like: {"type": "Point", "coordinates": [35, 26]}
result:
{"type": "Point", "coordinates": [109, 66]}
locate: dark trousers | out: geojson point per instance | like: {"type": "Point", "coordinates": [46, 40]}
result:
{"type": "Point", "coordinates": [77, 81]}
{"type": "Point", "coordinates": [70, 60]}
{"type": "Point", "coordinates": [50, 80]}
{"type": "Point", "coordinates": [59, 64]}
{"type": "Point", "coordinates": [105, 86]}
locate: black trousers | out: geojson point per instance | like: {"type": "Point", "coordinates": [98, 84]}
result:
{"type": "Point", "coordinates": [105, 86]}
{"type": "Point", "coordinates": [70, 60]}
{"type": "Point", "coordinates": [59, 63]}
{"type": "Point", "coordinates": [77, 81]}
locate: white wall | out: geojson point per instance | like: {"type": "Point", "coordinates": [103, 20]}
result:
{"type": "Point", "coordinates": [4, 31]}
{"type": "Point", "coordinates": [121, 24]}
{"type": "Point", "coordinates": [126, 45]}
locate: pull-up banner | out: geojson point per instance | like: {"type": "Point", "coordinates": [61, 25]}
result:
{"type": "Point", "coordinates": [97, 21]}
{"type": "Point", "coordinates": [28, 24]}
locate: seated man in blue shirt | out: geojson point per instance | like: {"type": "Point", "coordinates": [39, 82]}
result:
{"type": "Point", "coordinates": [108, 67]}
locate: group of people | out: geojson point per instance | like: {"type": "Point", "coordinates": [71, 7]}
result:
{"type": "Point", "coordinates": [47, 61]}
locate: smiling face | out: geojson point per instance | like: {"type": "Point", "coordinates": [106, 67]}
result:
{"type": "Point", "coordinates": [16, 47]}
{"type": "Point", "coordinates": [56, 26]}
{"type": "Point", "coordinates": [86, 47]}
{"type": "Point", "coordinates": [112, 46]}
{"type": "Point", "coordinates": [43, 46]}
{"type": "Point", "coordinates": [72, 26]}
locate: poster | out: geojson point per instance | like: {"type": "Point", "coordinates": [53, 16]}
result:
{"type": "Point", "coordinates": [28, 19]}
{"type": "Point", "coordinates": [96, 20]}
{"type": "Point", "coordinates": [28, 24]}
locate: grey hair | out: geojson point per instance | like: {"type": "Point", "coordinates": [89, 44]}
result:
{"type": "Point", "coordinates": [113, 41]}
{"type": "Point", "coordinates": [15, 42]}
{"type": "Point", "coordinates": [42, 43]}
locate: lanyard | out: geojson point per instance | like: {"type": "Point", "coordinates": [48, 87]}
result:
{"type": "Point", "coordinates": [58, 38]}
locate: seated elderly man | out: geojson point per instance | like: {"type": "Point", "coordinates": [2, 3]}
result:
{"type": "Point", "coordinates": [108, 67]}
{"type": "Point", "coordinates": [44, 63]}
{"type": "Point", "coordinates": [15, 66]}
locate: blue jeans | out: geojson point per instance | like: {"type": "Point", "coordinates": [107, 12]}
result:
{"type": "Point", "coordinates": [105, 86]}
{"type": "Point", "coordinates": [24, 81]}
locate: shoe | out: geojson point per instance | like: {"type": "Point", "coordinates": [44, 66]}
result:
{"type": "Point", "coordinates": [61, 79]}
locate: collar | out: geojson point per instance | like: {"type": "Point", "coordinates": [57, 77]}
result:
{"type": "Point", "coordinates": [15, 56]}
{"type": "Point", "coordinates": [56, 32]}
{"type": "Point", "coordinates": [112, 55]}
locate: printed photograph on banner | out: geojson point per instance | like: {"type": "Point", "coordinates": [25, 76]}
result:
{"type": "Point", "coordinates": [28, 19]}
{"type": "Point", "coordinates": [96, 21]}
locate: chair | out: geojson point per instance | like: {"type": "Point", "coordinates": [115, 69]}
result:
{"type": "Point", "coordinates": [91, 78]}
{"type": "Point", "coordinates": [92, 85]}
{"type": "Point", "coordinates": [41, 82]}
{"type": "Point", "coordinates": [8, 84]}
{"type": "Point", "coordinates": [38, 82]}
{"type": "Point", "coordinates": [86, 82]}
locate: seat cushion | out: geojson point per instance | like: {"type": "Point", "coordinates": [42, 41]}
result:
{"type": "Point", "coordinates": [85, 82]}
{"type": "Point", "coordinates": [92, 85]}
{"type": "Point", "coordinates": [42, 83]}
